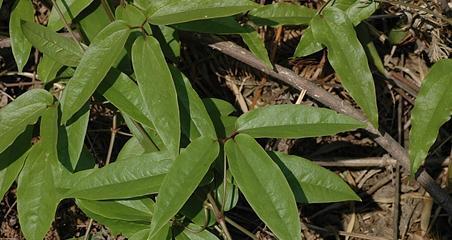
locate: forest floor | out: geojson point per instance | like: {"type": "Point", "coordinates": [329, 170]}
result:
{"type": "Point", "coordinates": [392, 202]}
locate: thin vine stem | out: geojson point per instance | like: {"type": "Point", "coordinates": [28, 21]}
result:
{"type": "Point", "coordinates": [219, 216]}
{"type": "Point", "coordinates": [240, 228]}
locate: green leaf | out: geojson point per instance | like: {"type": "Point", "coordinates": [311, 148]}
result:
{"type": "Point", "coordinates": [359, 11]}
{"type": "Point", "coordinates": [270, 197]}
{"type": "Point", "coordinates": [49, 130]}
{"type": "Point", "coordinates": [202, 235]}
{"type": "Point", "coordinates": [137, 176]}
{"type": "Point", "coordinates": [69, 9]}
{"type": "Point", "coordinates": [185, 175]}
{"type": "Point", "coordinates": [281, 14]}
{"type": "Point", "coordinates": [13, 159]}
{"type": "Point", "coordinates": [348, 58]}
{"type": "Point", "coordinates": [231, 197]}
{"type": "Point", "coordinates": [94, 21]}
{"type": "Point", "coordinates": [94, 66]}
{"type": "Point", "coordinates": [312, 183]}
{"type": "Point", "coordinates": [294, 121]}
{"type": "Point", "coordinates": [177, 11]}
{"type": "Point", "coordinates": [140, 235]}
{"type": "Point", "coordinates": [48, 69]}
{"type": "Point", "coordinates": [432, 108]}
{"type": "Point", "coordinates": [116, 226]}
{"type": "Point", "coordinates": [49, 144]}
{"type": "Point", "coordinates": [218, 111]}
{"type": "Point", "coordinates": [342, 4]}
{"type": "Point", "coordinates": [36, 195]}
{"type": "Point", "coordinates": [71, 138]}
{"type": "Point", "coordinates": [145, 4]}
{"type": "Point", "coordinates": [132, 210]}
{"type": "Point", "coordinates": [356, 11]}
{"type": "Point", "coordinates": [169, 41]}
{"type": "Point", "coordinates": [61, 49]}
{"type": "Point", "coordinates": [21, 48]}
{"type": "Point", "coordinates": [157, 88]}
{"type": "Point", "coordinates": [195, 210]}
{"type": "Point", "coordinates": [224, 25]}
{"type": "Point", "coordinates": [131, 149]}
{"type": "Point", "coordinates": [130, 14]}
{"type": "Point", "coordinates": [23, 111]}
{"type": "Point", "coordinates": [193, 112]}
{"type": "Point", "coordinates": [146, 136]}
{"type": "Point", "coordinates": [218, 107]}
{"type": "Point", "coordinates": [257, 46]}
{"type": "Point", "coordinates": [308, 44]}
{"type": "Point", "coordinates": [150, 6]}
{"type": "Point", "coordinates": [123, 92]}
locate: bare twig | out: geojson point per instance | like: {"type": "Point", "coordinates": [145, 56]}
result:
{"type": "Point", "coordinates": [396, 204]}
{"type": "Point", "coordinates": [88, 229]}
{"type": "Point", "coordinates": [334, 102]}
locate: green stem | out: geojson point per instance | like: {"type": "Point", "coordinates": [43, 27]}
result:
{"type": "Point", "coordinates": [219, 216]}
{"type": "Point", "coordinates": [242, 229]}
